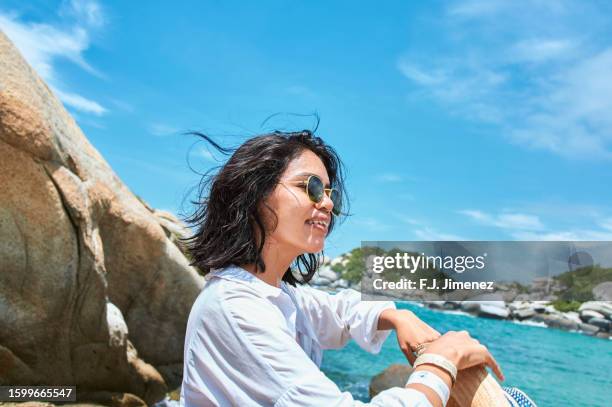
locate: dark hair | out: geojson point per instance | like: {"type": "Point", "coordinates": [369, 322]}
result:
{"type": "Point", "coordinates": [227, 219]}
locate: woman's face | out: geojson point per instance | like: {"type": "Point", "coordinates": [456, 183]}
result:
{"type": "Point", "coordinates": [295, 232]}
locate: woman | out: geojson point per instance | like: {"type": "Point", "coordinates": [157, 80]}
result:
{"type": "Point", "coordinates": [256, 333]}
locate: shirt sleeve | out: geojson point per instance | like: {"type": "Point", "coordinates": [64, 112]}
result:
{"type": "Point", "coordinates": [289, 376]}
{"type": "Point", "coordinates": [339, 317]}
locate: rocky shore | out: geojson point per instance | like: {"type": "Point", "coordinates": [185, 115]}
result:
{"type": "Point", "coordinates": [593, 318]}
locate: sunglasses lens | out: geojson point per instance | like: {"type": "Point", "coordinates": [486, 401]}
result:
{"type": "Point", "coordinates": [336, 198]}
{"type": "Point", "coordinates": [315, 189]}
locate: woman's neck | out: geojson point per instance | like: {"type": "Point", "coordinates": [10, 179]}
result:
{"type": "Point", "coordinates": [277, 262]}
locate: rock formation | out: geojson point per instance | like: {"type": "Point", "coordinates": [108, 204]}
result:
{"type": "Point", "coordinates": [93, 290]}
{"type": "Point", "coordinates": [395, 375]}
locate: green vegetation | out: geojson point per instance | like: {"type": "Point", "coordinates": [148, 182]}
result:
{"type": "Point", "coordinates": [580, 282]}
{"type": "Point", "coordinates": [520, 288]}
{"type": "Point", "coordinates": [354, 266]}
{"type": "Point", "coordinates": [566, 306]}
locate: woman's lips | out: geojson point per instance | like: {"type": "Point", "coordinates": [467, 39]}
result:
{"type": "Point", "coordinates": [317, 226]}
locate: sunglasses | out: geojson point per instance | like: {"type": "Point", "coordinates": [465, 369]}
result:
{"type": "Point", "coordinates": [315, 189]}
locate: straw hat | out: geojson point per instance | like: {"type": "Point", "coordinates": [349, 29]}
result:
{"type": "Point", "coordinates": [475, 387]}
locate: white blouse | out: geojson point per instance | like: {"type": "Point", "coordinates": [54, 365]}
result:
{"type": "Point", "coordinates": [249, 343]}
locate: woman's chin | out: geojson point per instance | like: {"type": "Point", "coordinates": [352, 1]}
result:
{"type": "Point", "coordinates": [314, 246]}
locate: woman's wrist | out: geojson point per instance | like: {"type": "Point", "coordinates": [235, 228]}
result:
{"type": "Point", "coordinates": [390, 318]}
{"type": "Point", "coordinates": [438, 361]}
{"type": "Point", "coordinates": [430, 393]}
{"type": "Point", "coordinates": [450, 353]}
{"type": "Point", "coordinates": [433, 381]}
{"type": "Point", "coordinates": [438, 371]}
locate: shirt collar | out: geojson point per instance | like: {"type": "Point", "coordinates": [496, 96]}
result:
{"type": "Point", "coordinates": [236, 273]}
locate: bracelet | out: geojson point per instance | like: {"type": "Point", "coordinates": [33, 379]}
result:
{"type": "Point", "coordinates": [437, 360]}
{"type": "Point", "coordinates": [420, 348]}
{"type": "Point", "coordinates": [433, 381]}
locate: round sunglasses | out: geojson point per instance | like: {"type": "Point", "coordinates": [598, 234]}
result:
{"type": "Point", "coordinates": [315, 189]}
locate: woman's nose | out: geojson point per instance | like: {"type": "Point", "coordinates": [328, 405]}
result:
{"type": "Point", "coordinates": [326, 203]}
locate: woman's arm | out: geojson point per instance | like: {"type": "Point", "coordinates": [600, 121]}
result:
{"type": "Point", "coordinates": [336, 318]}
{"type": "Point", "coordinates": [411, 330]}
{"type": "Point", "coordinates": [242, 353]}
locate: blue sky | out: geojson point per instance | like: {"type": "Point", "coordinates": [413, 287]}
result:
{"type": "Point", "coordinates": [475, 120]}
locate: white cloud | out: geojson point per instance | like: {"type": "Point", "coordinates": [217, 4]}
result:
{"type": "Point", "coordinates": [540, 50]}
{"type": "Point", "coordinates": [528, 227]}
{"type": "Point", "coordinates": [407, 219]}
{"type": "Point", "coordinates": [541, 71]}
{"type": "Point", "coordinates": [371, 224]}
{"type": "Point", "coordinates": [519, 9]}
{"type": "Point", "coordinates": [42, 45]}
{"type": "Point", "coordinates": [606, 224]}
{"type": "Point", "coordinates": [466, 90]}
{"type": "Point", "coordinates": [477, 8]}
{"type": "Point", "coordinates": [573, 116]}
{"type": "Point", "coordinates": [80, 103]}
{"type": "Point", "coordinates": [162, 129]}
{"type": "Point", "coordinates": [422, 231]}
{"type": "Point", "coordinates": [389, 177]}
{"type": "Point", "coordinates": [88, 12]}
{"type": "Point", "coordinates": [428, 233]}
{"type": "Point", "coordinates": [123, 105]}
{"type": "Point", "coordinates": [300, 90]}
{"type": "Point", "coordinates": [393, 177]}
{"type": "Point", "coordinates": [419, 76]}
{"type": "Point", "coordinates": [571, 235]}
{"type": "Point", "coordinates": [208, 156]}
{"type": "Point", "coordinates": [518, 221]}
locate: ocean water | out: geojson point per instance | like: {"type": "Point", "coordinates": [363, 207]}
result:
{"type": "Point", "coordinates": [554, 367]}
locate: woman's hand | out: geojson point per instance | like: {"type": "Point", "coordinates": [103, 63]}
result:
{"type": "Point", "coordinates": [410, 329]}
{"type": "Point", "coordinates": [464, 351]}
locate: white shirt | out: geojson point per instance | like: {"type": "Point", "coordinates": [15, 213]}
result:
{"type": "Point", "coordinates": [249, 343]}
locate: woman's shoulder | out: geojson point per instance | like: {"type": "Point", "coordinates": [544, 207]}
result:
{"type": "Point", "coordinates": [229, 295]}
{"type": "Point", "coordinates": [306, 292]}
{"type": "Point", "coordinates": [233, 288]}
{"type": "Point", "coordinates": [232, 278]}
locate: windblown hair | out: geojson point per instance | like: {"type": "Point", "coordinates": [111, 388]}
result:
{"type": "Point", "coordinates": [227, 220]}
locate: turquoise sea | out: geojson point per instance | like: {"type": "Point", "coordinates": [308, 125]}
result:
{"type": "Point", "coordinates": [554, 367]}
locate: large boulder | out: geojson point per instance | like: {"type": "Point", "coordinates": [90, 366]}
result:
{"type": "Point", "coordinates": [395, 375]}
{"type": "Point", "coordinates": [588, 329]}
{"type": "Point", "coordinates": [558, 321]}
{"type": "Point", "coordinates": [587, 314]}
{"type": "Point", "coordinates": [603, 291]}
{"type": "Point", "coordinates": [324, 276]}
{"type": "Point", "coordinates": [523, 313]}
{"type": "Point", "coordinates": [493, 310]}
{"type": "Point", "coordinates": [604, 308]}
{"type": "Point", "coordinates": [340, 283]}
{"type": "Point", "coordinates": [93, 292]}
{"type": "Point", "coordinates": [489, 305]}
{"type": "Point", "coordinates": [603, 324]}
